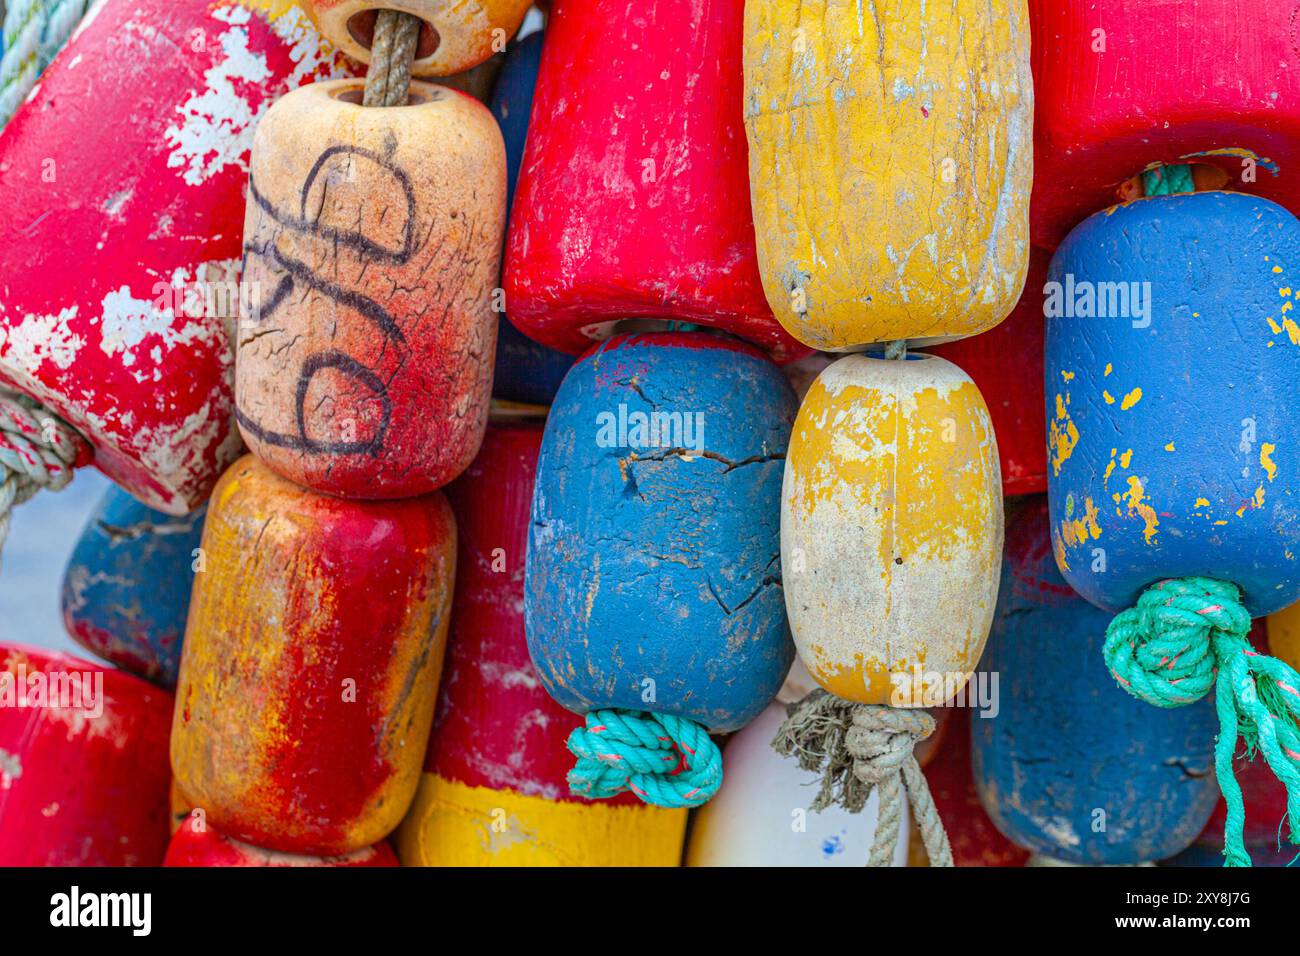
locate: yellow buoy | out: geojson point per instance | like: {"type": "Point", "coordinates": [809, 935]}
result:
{"type": "Point", "coordinates": [891, 529]}
{"type": "Point", "coordinates": [890, 160]}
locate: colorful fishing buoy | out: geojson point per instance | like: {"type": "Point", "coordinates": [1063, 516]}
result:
{"type": "Point", "coordinates": [311, 662]}
{"type": "Point", "coordinates": [374, 235]}
{"type": "Point", "coordinates": [83, 763]}
{"type": "Point", "coordinates": [196, 845]}
{"type": "Point", "coordinates": [633, 197]}
{"type": "Point", "coordinates": [974, 839]}
{"type": "Point", "coordinates": [890, 167]}
{"type": "Point", "coordinates": [653, 594]}
{"type": "Point", "coordinates": [526, 371]}
{"type": "Point", "coordinates": [1070, 766]}
{"type": "Point", "coordinates": [131, 348]}
{"type": "Point", "coordinates": [891, 540]}
{"type": "Point", "coordinates": [453, 36]}
{"type": "Point", "coordinates": [1006, 363]}
{"type": "Point", "coordinates": [493, 792]}
{"type": "Point", "coordinates": [1174, 478]}
{"type": "Point", "coordinates": [1117, 97]}
{"type": "Point", "coordinates": [126, 589]}
{"type": "Point", "coordinates": [761, 816]}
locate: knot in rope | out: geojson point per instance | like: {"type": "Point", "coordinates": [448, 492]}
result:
{"type": "Point", "coordinates": [37, 451]}
{"type": "Point", "coordinates": [881, 740]}
{"type": "Point", "coordinates": [34, 31]}
{"type": "Point", "coordinates": [863, 748]}
{"type": "Point", "coordinates": [1162, 650]}
{"type": "Point", "coordinates": [1186, 636]}
{"type": "Point", "coordinates": [665, 760]}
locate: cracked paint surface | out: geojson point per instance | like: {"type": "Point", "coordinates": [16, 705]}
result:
{"type": "Point", "coordinates": [373, 237]}
{"type": "Point", "coordinates": [891, 525]}
{"type": "Point", "coordinates": [493, 791]}
{"type": "Point", "coordinates": [890, 161]}
{"type": "Point", "coordinates": [292, 730]}
{"type": "Point", "coordinates": [1172, 441]}
{"type": "Point", "coordinates": [1072, 766]}
{"type": "Point", "coordinates": [117, 213]}
{"type": "Point", "coordinates": [662, 564]}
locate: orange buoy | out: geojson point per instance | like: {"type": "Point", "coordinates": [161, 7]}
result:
{"type": "Point", "coordinates": [311, 662]}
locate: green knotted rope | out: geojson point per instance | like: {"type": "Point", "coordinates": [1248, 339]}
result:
{"type": "Point", "coordinates": [860, 748]}
{"type": "Point", "coordinates": [1187, 636]}
{"type": "Point", "coordinates": [665, 760]}
{"type": "Point", "coordinates": [1168, 180]}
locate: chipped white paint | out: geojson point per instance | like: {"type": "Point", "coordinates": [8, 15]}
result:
{"type": "Point", "coordinates": [216, 124]}
{"type": "Point", "coordinates": [37, 339]}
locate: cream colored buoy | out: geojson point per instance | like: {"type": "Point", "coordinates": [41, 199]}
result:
{"type": "Point", "coordinates": [891, 529]}
{"type": "Point", "coordinates": [890, 163]}
{"type": "Point", "coordinates": [761, 816]}
{"type": "Point", "coordinates": [372, 243]}
{"type": "Point", "coordinates": [455, 35]}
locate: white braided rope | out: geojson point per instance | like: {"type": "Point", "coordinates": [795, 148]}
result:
{"type": "Point", "coordinates": [37, 450]}
{"type": "Point", "coordinates": [34, 31]}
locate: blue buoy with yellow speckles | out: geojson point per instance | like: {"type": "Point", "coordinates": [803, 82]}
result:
{"type": "Point", "coordinates": [1067, 764]}
{"type": "Point", "coordinates": [526, 371]}
{"type": "Point", "coordinates": [653, 577]}
{"type": "Point", "coordinates": [1172, 356]}
{"type": "Point", "coordinates": [126, 589]}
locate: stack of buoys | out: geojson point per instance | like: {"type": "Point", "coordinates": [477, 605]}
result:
{"type": "Point", "coordinates": [891, 206]}
{"type": "Point", "coordinates": [363, 376]}
{"type": "Point", "coordinates": [493, 792]}
{"type": "Point", "coordinates": [1168, 358]}
{"type": "Point", "coordinates": [652, 603]}
{"type": "Point", "coordinates": [124, 361]}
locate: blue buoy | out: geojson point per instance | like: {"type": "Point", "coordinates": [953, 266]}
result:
{"type": "Point", "coordinates": [1071, 766]}
{"type": "Point", "coordinates": [1173, 353]}
{"type": "Point", "coordinates": [126, 590]}
{"type": "Point", "coordinates": [525, 371]}
{"type": "Point", "coordinates": [654, 574]}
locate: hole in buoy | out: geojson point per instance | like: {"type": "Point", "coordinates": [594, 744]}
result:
{"type": "Point", "coordinates": [599, 331]}
{"type": "Point", "coordinates": [356, 95]}
{"type": "Point", "coordinates": [362, 28]}
{"type": "Point", "coordinates": [1206, 177]}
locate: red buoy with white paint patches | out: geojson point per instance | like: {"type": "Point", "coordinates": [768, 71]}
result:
{"type": "Point", "coordinates": [123, 177]}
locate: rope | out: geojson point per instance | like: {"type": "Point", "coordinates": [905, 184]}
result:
{"type": "Point", "coordinates": [1168, 180]}
{"type": "Point", "coordinates": [388, 81]}
{"type": "Point", "coordinates": [36, 451]}
{"type": "Point", "coordinates": [896, 350]}
{"type": "Point", "coordinates": [866, 747]}
{"type": "Point", "coordinates": [667, 761]}
{"type": "Point", "coordinates": [34, 31]}
{"type": "Point", "coordinates": [1188, 636]}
